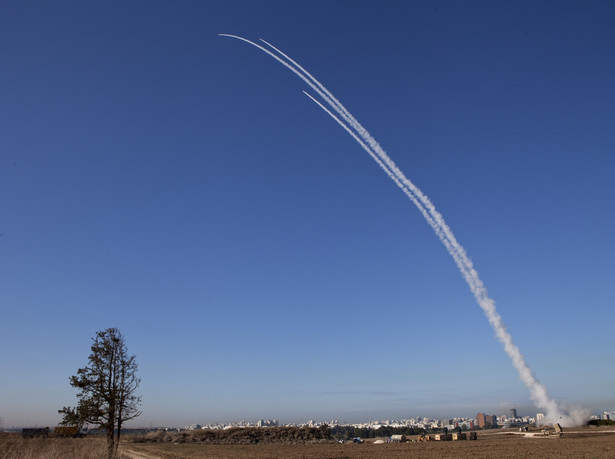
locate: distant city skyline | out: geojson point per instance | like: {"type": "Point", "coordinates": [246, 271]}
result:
{"type": "Point", "coordinates": [481, 420]}
{"type": "Point", "coordinates": [605, 413]}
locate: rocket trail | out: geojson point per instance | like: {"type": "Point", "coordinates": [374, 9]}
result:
{"type": "Point", "coordinates": [538, 392]}
{"type": "Point", "coordinates": [377, 149]}
{"type": "Point", "coordinates": [381, 164]}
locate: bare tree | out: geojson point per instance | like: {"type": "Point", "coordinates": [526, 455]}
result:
{"type": "Point", "coordinates": [107, 388]}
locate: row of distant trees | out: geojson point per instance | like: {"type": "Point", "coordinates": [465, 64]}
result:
{"type": "Point", "coordinates": [241, 436]}
{"type": "Point", "coordinates": [601, 422]}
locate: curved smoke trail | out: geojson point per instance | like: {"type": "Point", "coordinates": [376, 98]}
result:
{"type": "Point", "coordinates": [538, 392]}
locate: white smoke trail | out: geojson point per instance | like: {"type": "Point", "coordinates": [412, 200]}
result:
{"type": "Point", "coordinates": [390, 168]}
{"type": "Point", "coordinates": [443, 231]}
{"type": "Point", "coordinates": [377, 159]}
{"type": "Point", "coordinates": [337, 105]}
{"type": "Point", "coordinates": [538, 392]}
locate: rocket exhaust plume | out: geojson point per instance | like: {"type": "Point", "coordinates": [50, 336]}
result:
{"type": "Point", "coordinates": [538, 392]}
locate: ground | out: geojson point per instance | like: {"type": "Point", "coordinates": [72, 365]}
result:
{"type": "Point", "coordinates": [586, 442]}
{"type": "Point", "coordinates": [581, 443]}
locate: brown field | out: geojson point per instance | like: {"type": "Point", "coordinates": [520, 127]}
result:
{"type": "Point", "coordinates": [13, 446]}
{"type": "Point", "coordinates": [583, 443]}
{"type": "Point", "coordinates": [576, 443]}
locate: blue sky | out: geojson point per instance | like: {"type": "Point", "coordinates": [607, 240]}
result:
{"type": "Point", "coordinates": [158, 178]}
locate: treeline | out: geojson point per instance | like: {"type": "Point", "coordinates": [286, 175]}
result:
{"type": "Point", "coordinates": [349, 432]}
{"type": "Point", "coordinates": [601, 422]}
{"type": "Point", "coordinates": [241, 436]}
{"type": "Point", "coordinates": [288, 435]}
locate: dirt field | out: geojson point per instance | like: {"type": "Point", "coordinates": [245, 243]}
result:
{"type": "Point", "coordinates": [576, 443]}
{"type": "Point", "coordinates": [583, 443]}
{"type": "Point", "coordinates": [13, 446]}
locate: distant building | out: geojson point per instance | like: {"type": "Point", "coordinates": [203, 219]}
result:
{"type": "Point", "coordinates": [486, 421]}
{"type": "Point", "coordinates": [267, 423]}
{"type": "Point", "coordinates": [465, 424]}
{"type": "Point", "coordinates": [540, 419]}
{"type": "Point", "coordinates": [513, 413]}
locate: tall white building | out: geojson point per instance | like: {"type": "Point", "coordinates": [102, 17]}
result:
{"type": "Point", "coordinates": [540, 419]}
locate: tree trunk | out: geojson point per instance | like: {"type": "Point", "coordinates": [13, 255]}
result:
{"type": "Point", "coordinates": [110, 444]}
{"type": "Point", "coordinates": [119, 430]}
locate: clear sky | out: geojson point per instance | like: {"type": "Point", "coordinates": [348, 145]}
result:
{"type": "Point", "coordinates": [178, 185]}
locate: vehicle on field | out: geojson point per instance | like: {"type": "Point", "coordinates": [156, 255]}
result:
{"type": "Point", "coordinates": [69, 432]}
{"type": "Point", "coordinates": [35, 432]}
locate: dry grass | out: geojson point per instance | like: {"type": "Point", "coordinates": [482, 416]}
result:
{"type": "Point", "coordinates": [13, 446]}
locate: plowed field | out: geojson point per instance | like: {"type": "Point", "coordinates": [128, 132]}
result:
{"type": "Point", "coordinates": [584, 443]}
